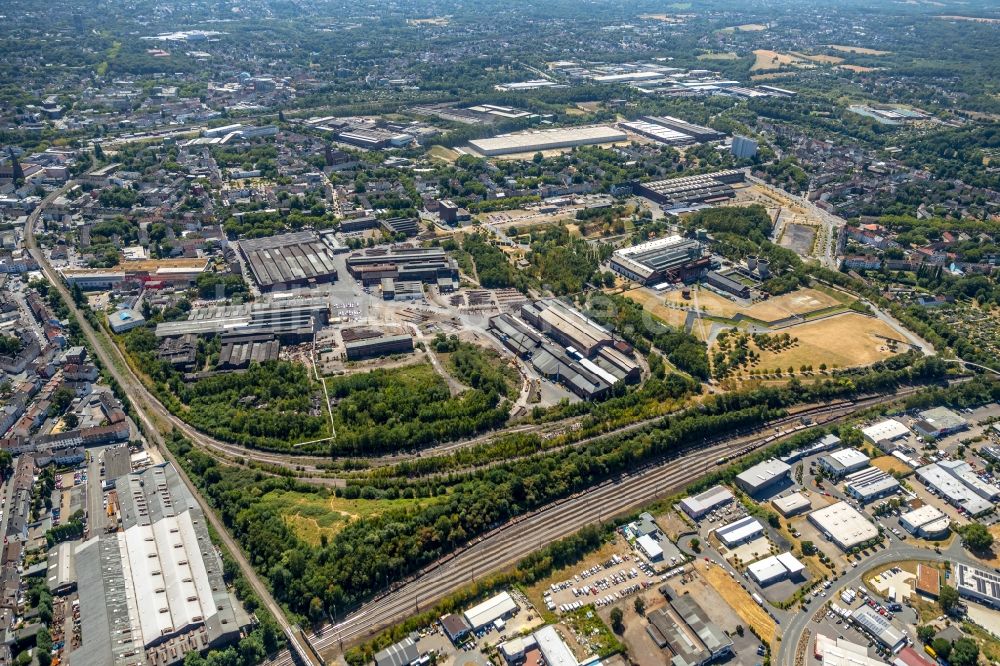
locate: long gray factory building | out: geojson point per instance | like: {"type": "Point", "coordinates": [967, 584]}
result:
{"type": "Point", "coordinates": [154, 591]}
{"type": "Point", "coordinates": [292, 260]}
{"type": "Point", "coordinates": [289, 320]}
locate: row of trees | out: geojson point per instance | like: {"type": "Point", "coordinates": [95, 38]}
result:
{"type": "Point", "coordinates": [644, 331]}
{"type": "Point", "coordinates": [372, 551]}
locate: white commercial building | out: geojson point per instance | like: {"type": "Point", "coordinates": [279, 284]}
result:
{"type": "Point", "coordinates": [549, 139]}
{"type": "Point", "coordinates": [500, 607]}
{"type": "Point", "coordinates": [885, 431]}
{"type": "Point", "coordinates": [843, 462]}
{"type": "Point", "coordinates": [870, 484]}
{"type": "Point", "coordinates": [703, 503]}
{"type": "Point", "coordinates": [978, 584]}
{"type": "Point", "coordinates": [840, 652]}
{"type": "Point", "coordinates": [649, 547]}
{"type": "Point", "coordinates": [774, 568]}
{"type": "Point", "coordinates": [927, 522]}
{"type": "Point", "coordinates": [792, 505]}
{"type": "Point", "coordinates": [943, 480]}
{"type": "Point", "coordinates": [763, 475]}
{"type": "Point", "coordinates": [740, 531]}
{"type": "Point", "coordinates": [844, 525]}
{"type": "Point", "coordinates": [554, 648]}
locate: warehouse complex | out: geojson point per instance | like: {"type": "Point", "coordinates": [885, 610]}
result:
{"type": "Point", "coordinates": [685, 630]}
{"type": "Point", "coordinates": [792, 505]}
{"type": "Point", "coordinates": [291, 260]}
{"type": "Point", "coordinates": [290, 320]}
{"type": "Point", "coordinates": [879, 627]}
{"type": "Point", "coordinates": [870, 484]}
{"type": "Point", "coordinates": [841, 463]}
{"type": "Point", "coordinates": [548, 139]}
{"type": "Point", "coordinates": [404, 264]}
{"type": "Point", "coordinates": [671, 131]}
{"type": "Point", "coordinates": [740, 531]}
{"type": "Point", "coordinates": [498, 608]}
{"type": "Point", "coordinates": [356, 350]}
{"type": "Point", "coordinates": [844, 525]}
{"type": "Point", "coordinates": [584, 357]}
{"type": "Point", "coordinates": [889, 430]}
{"type": "Point", "coordinates": [154, 591]}
{"type": "Point", "coordinates": [958, 484]}
{"type": "Point", "coordinates": [706, 188]}
{"type": "Point", "coordinates": [673, 259]}
{"type": "Point", "coordinates": [696, 132]}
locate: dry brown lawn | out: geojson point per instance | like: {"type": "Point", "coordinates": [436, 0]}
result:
{"type": "Point", "coordinates": [859, 69]}
{"type": "Point", "coordinates": [746, 27]}
{"type": "Point", "coordinates": [739, 600]}
{"type": "Point", "coordinates": [767, 59]}
{"type": "Point", "coordinates": [888, 464]}
{"type": "Point", "coordinates": [718, 56]}
{"type": "Point", "coordinates": [820, 58]}
{"type": "Point", "coordinates": [858, 49]}
{"type": "Point", "coordinates": [844, 340]}
{"type": "Point", "coordinates": [801, 301]}
{"type": "Point", "coordinates": [654, 304]}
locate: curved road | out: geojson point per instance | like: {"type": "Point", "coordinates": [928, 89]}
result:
{"type": "Point", "coordinates": [896, 551]}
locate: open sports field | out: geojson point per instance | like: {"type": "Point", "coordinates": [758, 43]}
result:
{"type": "Point", "coordinates": [798, 302]}
{"type": "Point", "coordinates": [844, 340]}
{"type": "Point", "coordinates": [739, 600]}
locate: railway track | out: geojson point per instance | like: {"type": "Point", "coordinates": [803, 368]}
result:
{"type": "Point", "coordinates": [507, 544]}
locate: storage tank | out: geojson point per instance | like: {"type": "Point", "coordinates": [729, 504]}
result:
{"type": "Point", "coordinates": [752, 262]}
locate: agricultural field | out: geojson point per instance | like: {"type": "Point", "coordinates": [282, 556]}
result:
{"type": "Point", "coordinates": [767, 60]}
{"type": "Point", "coordinates": [860, 50]}
{"type": "Point", "coordinates": [718, 56]}
{"type": "Point", "coordinates": [819, 58]}
{"type": "Point", "coordinates": [746, 27]}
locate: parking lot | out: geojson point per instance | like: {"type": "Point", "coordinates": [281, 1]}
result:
{"type": "Point", "coordinates": [621, 576]}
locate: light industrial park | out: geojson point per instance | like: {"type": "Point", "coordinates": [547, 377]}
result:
{"type": "Point", "coordinates": [499, 334]}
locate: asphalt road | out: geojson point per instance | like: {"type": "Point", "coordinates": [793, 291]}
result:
{"type": "Point", "coordinates": [897, 551]}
